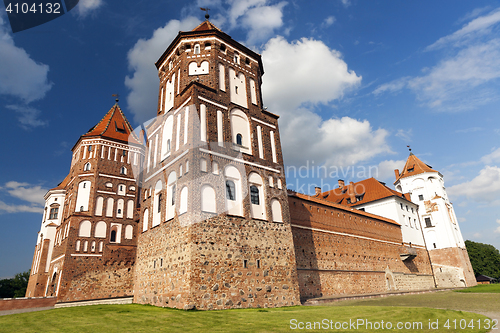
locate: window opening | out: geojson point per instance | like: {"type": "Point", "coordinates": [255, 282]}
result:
{"type": "Point", "coordinates": [239, 139]}
{"type": "Point", "coordinates": [254, 195]}
{"type": "Point", "coordinates": [113, 236]}
{"type": "Point", "coordinates": [230, 190]}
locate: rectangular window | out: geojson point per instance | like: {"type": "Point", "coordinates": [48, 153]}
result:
{"type": "Point", "coordinates": [53, 213]}
{"type": "Point", "coordinates": [258, 263]}
{"type": "Point", "coordinates": [420, 197]}
{"type": "Point", "coordinates": [428, 222]}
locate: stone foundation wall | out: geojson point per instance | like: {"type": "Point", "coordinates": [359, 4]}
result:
{"type": "Point", "coordinates": [452, 268]}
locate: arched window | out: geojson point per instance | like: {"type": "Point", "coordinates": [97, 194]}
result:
{"type": "Point", "coordinates": [100, 229]}
{"type": "Point", "coordinates": [101, 246]}
{"type": "Point", "coordinates": [123, 170]}
{"type": "Point", "coordinates": [234, 203]}
{"type": "Point", "coordinates": [129, 232]}
{"type": "Point", "coordinates": [203, 165]}
{"type": "Point", "coordinates": [119, 208]}
{"type": "Point", "coordinates": [208, 199]}
{"type": "Point", "coordinates": [276, 210]}
{"type": "Point", "coordinates": [145, 220]}
{"type": "Point", "coordinates": [157, 203]}
{"type": "Point", "coordinates": [84, 230]}
{"type": "Point", "coordinates": [112, 239]}
{"type": "Point", "coordinates": [83, 196]}
{"type": "Point", "coordinates": [109, 207]}
{"type": "Point", "coordinates": [92, 246]}
{"type": "Point", "coordinates": [167, 137]}
{"type": "Point", "coordinates": [130, 209]}
{"type": "Point", "coordinates": [99, 205]}
{"type": "Point", "coordinates": [197, 49]}
{"type": "Point", "coordinates": [230, 190]}
{"type": "Point", "coordinates": [171, 193]}
{"type": "Point", "coordinates": [122, 189]}
{"type": "Point", "coordinates": [86, 167]}
{"type": "Point", "coordinates": [85, 246]}
{"type": "Point", "coordinates": [215, 168]}
{"type": "Point", "coordinates": [240, 129]}
{"type": "Point", "coordinates": [254, 195]}
{"type": "Point", "coordinates": [77, 246]}
{"type": "Point", "coordinates": [183, 204]}
{"type": "Point", "coordinates": [257, 198]}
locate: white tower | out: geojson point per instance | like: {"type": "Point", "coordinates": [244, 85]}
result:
{"type": "Point", "coordinates": [442, 234]}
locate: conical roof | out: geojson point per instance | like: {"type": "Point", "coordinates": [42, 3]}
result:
{"type": "Point", "coordinates": [114, 125]}
{"type": "Point", "coordinates": [206, 25]}
{"type": "Point", "coordinates": [414, 166]}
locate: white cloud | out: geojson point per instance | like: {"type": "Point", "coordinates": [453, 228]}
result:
{"type": "Point", "coordinates": [143, 83]}
{"type": "Point", "coordinates": [6, 208]}
{"type": "Point", "coordinates": [386, 169]}
{"type": "Point", "coordinates": [26, 192]}
{"type": "Point", "coordinates": [484, 188]}
{"type": "Point", "coordinates": [493, 157]}
{"type": "Point", "coordinates": [86, 7]}
{"type": "Point", "coordinates": [262, 21]}
{"type": "Point", "coordinates": [405, 135]}
{"type": "Point", "coordinates": [301, 75]}
{"type": "Point", "coordinates": [472, 30]}
{"type": "Point", "coordinates": [392, 86]}
{"type": "Point", "coordinates": [329, 21]}
{"type": "Point", "coordinates": [20, 75]}
{"type": "Point", "coordinates": [304, 71]}
{"type": "Point", "coordinates": [346, 3]}
{"type": "Point", "coordinates": [497, 230]}
{"type": "Point", "coordinates": [28, 116]}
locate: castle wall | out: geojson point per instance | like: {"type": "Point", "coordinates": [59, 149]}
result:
{"type": "Point", "coordinates": [452, 268]}
{"type": "Point", "coordinates": [347, 252]}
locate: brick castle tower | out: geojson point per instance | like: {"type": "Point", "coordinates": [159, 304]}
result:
{"type": "Point", "coordinates": [215, 227]}
{"type": "Point", "coordinates": [444, 241]}
{"type": "Point", "coordinates": [86, 247]}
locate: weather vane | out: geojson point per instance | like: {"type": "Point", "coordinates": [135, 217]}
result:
{"type": "Point", "coordinates": [206, 12]}
{"type": "Point", "coordinates": [117, 97]}
{"type": "Point", "coordinates": [409, 148]}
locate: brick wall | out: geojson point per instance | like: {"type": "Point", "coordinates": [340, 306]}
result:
{"type": "Point", "coordinates": [452, 267]}
{"type": "Point", "coordinates": [26, 303]}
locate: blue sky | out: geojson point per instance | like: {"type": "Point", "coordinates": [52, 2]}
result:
{"type": "Point", "coordinates": [354, 82]}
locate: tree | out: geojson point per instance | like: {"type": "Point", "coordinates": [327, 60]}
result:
{"type": "Point", "coordinates": [15, 287]}
{"type": "Point", "coordinates": [485, 259]}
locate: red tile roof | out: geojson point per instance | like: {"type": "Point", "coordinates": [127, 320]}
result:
{"type": "Point", "coordinates": [114, 126]}
{"type": "Point", "coordinates": [361, 192]}
{"type": "Point", "coordinates": [206, 25]}
{"type": "Point", "coordinates": [320, 200]}
{"type": "Point", "coordinates": [414, 166]}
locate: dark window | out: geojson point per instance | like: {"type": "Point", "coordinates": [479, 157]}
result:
{"type": "Point", "coordinates": [239, 139]}
{"type": "Point", "coordinates": [123, 170]}
{"type": "Point", "coordinates": [124, 152]}
{"type": "Point", "coordinates": [53, 213]}
{"type": "Point", "coordinates": [119, 211]}
{"type": "Point", "coordinates": [349, 200]}
{"type": "Point", "coordinates": [81, 208]}
{"type": "Point", "coordinates": [90, 148]}
{"type": "Point", "coordinates": [173, 195]}
{"type": "Point", "coordinates": [159, 202]}
{"type": "Point", "coordinates": [258, 263]}
{"type": "Point", "coordinates": [401, 205]}
{"type": "Point", "coordinates": [245, 263]}
{"type": "Point", "coordinates": [411, 169]}
{"type": "Point", "coordinates": [113, 236]}
{"type": "Point", "coordinates": [223, 48]}
{"type": "Point", "coordinates": [254, 195]}
{"type": "Point", "coordinates": [168, 145]}
{"type": "Point", "coordinates": [420, 197]}
{"type": "Point", "coordinates": [436, 247]}
{"type": "Point", "coordinates": [230, 190]}
{"type": "Point", "coordinates": [428, 222]}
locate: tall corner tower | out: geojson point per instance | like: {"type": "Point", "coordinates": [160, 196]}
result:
{"type": "Point", "coordinates": [442, 235]}
{"type": "Point", "coordinates": [215, 227]}
{"type": "Point", "coordinates": [93, 245]}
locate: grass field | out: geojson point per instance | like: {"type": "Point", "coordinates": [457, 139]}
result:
{"type": "Point", "coordinates": [482, 288]}
{"type": "Point", "coordinates": [143, 318]}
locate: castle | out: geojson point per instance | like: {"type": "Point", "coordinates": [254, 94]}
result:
{"type": "Point", "coordinates": [193, 211]}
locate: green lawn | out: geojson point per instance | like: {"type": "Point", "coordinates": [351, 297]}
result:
{"type": "Point", "coordinates": [482, 288]}
{"type": "Point", "coordinates": [143, 318]}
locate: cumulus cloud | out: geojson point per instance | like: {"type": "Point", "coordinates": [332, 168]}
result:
{"type": "Point", "coordinates": [493, 157]}
{"type": "Point", "coordinates": [20, 75]}
{"type": "Point", "coordinates": [292, 87]}
{"type": "Point", "coordinates": [28, 116]}
{"type": "Point", "coordinates": [26, 192]}
{"type": "Point", "coordinates": [328, 21]}
{"type": "Point", "coordinates": [484, 188]}
{"type": "Point", "coordinates": [261, 21]}
{"type": "Point", "coordinates": [497, 230]}
{"type": "Point", "coordinates": [143, 83]}
{"type": "Point", "coordinates": [87, 7]}
{"type": "Point", "coordinates": [386, 169]}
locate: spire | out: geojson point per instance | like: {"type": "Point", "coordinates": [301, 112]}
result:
{"type": "Point", "coordinates": [414, 166]}
{"type": "Point", "coordinates": [114, 125]}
